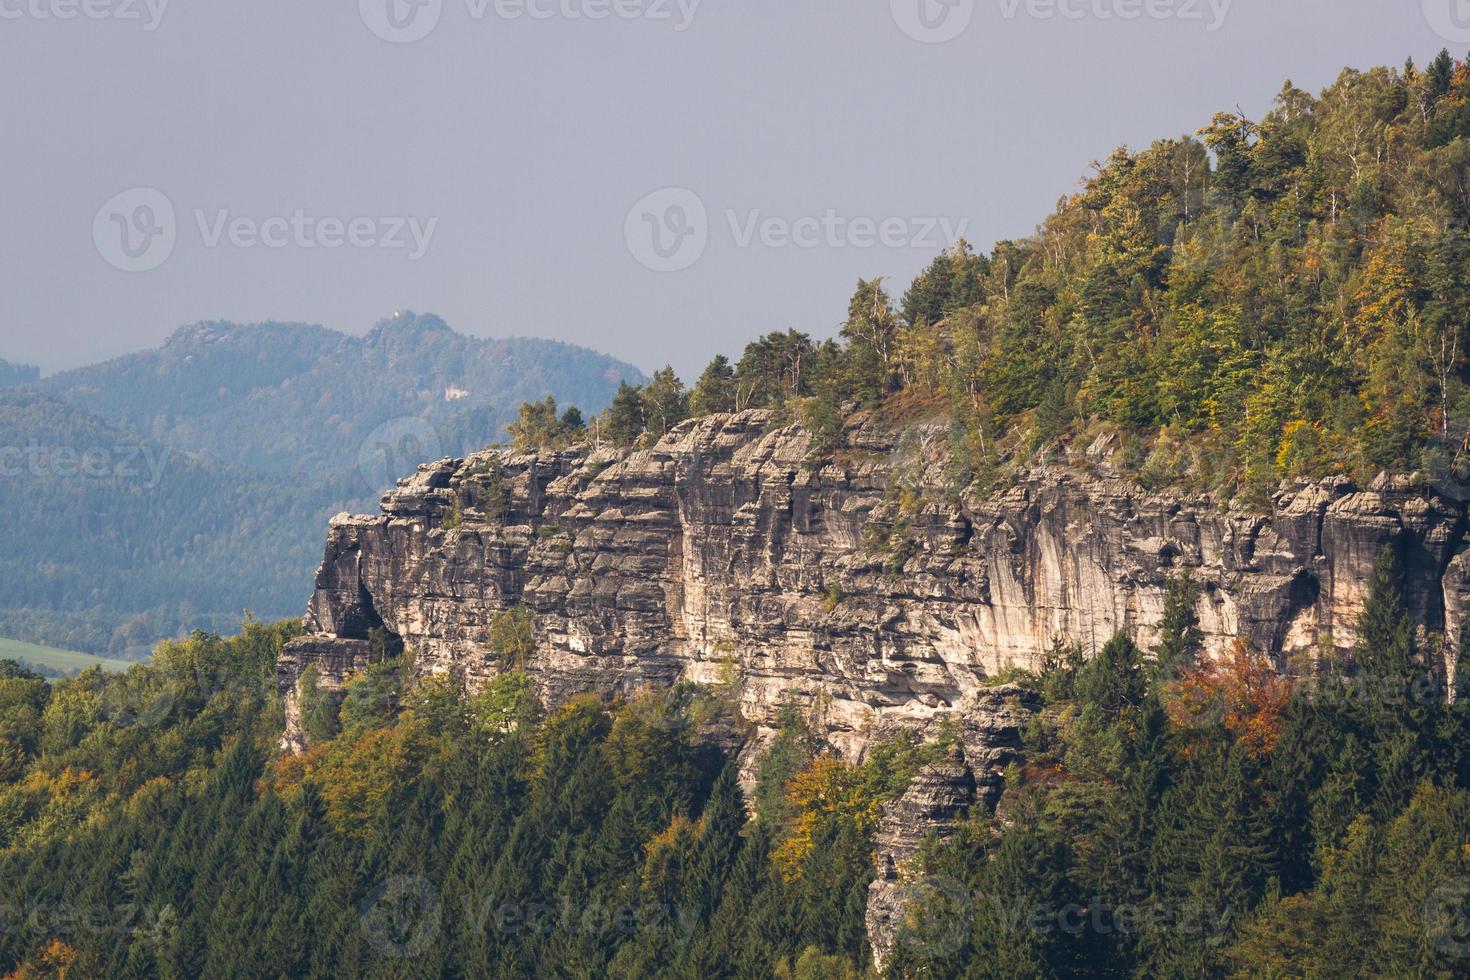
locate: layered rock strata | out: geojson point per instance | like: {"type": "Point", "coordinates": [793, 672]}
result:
{"type": "Point", "coordinates": [873, 589]}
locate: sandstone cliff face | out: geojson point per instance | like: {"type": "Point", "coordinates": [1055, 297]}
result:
{"type": "Point", "coordinates": [869, 590]}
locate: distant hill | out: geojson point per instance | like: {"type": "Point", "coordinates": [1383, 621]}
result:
{"type": "Point", "coordinates": [175, 488]}
{"type": "Point", "coordinates": [301, 400]}
{"type": "Point", "coordinates": [17, 374]}
{"type": "Point", "coordinates": [112, 540]}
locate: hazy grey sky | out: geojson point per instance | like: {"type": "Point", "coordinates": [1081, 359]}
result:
{"type": "Point", "coordinates": [513, 140]}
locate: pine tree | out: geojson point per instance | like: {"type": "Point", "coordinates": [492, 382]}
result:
{"type": "Point", "coordinates": [1180, 638]}
{"type": "Point", "coordinates": [626, 418]}
{"type": "Point", "coordinates": [715, 389]}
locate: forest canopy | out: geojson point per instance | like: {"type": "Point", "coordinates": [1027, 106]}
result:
{"type": "Point", "coordinates": [1265, 298]}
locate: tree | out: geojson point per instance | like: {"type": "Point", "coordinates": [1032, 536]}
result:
{"type": "Point", "coordinates": [626, 418]}
{"type": "Point", "coordinates": [773, 370]}
{"type": "Point", "coordinates": [871, 332]}
{"type": "Point", "coordinates": [318, 708]}
{"type": "Point", "coordinates": [1439, 76]}
{"type": "Point", "coordinates": [1180, 638]}
{"type": "Point", "coordinates": [513, 637]}
{"type": "Point", "coordinates": [665, 403]}
{"type": "Point", "coordinates": [537, 426]}
{"type": "Point", "coordinates": [715, 389]}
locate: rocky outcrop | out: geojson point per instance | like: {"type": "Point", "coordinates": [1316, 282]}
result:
{"type": "Point", "coordinates": [874, 590]}
{"type": "Point", "coordinates": [941, 795]}
{"type": "Point", "coordinates": [870, 589]}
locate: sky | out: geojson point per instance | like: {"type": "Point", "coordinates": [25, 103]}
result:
{"type": "Point", "coordinates": [661, 180]}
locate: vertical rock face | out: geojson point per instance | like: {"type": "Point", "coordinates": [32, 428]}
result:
{"type": "Point", "coordinates": [941, 795]}
{"type": "Point", "coordinates": [869, 590]}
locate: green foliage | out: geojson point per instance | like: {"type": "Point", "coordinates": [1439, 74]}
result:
{"type": "Point", "coordinates": [665, 403]}
{"type": "Point", "coordinates": [217, 458]}
{"type": "Point", "coordinates": [1318, 834]}
{"type": "Point", "coordinates": [454, 835]}
{"type": "Point", "coordinates": [513, 636]}
{"type": "Point", "coordinates": [1286, 296]}
{"type": "Point", "coordinates": [538, 426]}
{"type": "Point", "coordinates": [715, 390]}
{"type": "Point", "coordinates": [318, 708]}
{"type": "Point", "coordinates": [372, 697]}
{"type": "Point", "coordinates": [789, 752]}
{"type": "Point", "coordinates": [625, 419]}
{"type": "Point", "coordinates": [1180, 638]}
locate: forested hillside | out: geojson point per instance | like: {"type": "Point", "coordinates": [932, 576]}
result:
{"type": "Point", "coordinates": [1270, 297]}
{"type": "Point", "coordinates": [176, 488]}
{"type": "Point", "coordinates": [1173, 817]}
{"type": "Point", "coordinates": [301, 400]}
{"type": "Point", "coordinates": [112, 540]}
{"type": "Point", "coordinates": [17, 374]}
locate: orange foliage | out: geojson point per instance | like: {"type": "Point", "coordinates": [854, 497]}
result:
{"type": "Point", "coordinates": [286, 773]}
{"type": "Point", "coordinates": [1243, 692]}
{"type": "Point", "coordinates": [53, 963]}
{"type": "Point", "coordinates": [357, 775]}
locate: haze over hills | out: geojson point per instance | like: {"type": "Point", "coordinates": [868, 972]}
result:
{"type": "Point", "coordinates": [17, 374]}
{"type": "Point", "coordinates": [173, 489]}
{"type": "Point", "coordinates": [300, 399]}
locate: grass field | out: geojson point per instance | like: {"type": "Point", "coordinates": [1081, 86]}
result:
{"type": "Point", "coordinates": [52, 657]}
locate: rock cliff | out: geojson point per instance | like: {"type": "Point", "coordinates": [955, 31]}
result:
{"type": "Point", "coordinates": [871, 589]}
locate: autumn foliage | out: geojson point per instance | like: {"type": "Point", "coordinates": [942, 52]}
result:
{"type": "Point", "coordinates": [1243, 693]}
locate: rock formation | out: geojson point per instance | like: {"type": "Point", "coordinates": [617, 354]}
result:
{"type": "Point", "coordinates": [873, 589]}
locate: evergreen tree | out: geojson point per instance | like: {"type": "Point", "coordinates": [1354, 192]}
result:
{"type": "Point", "coordinates": [715, 390]}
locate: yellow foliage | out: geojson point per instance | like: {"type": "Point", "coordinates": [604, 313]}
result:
{"type": "Point", "coordinates": [663, 851]}
{"type": "Point", "coordinates": [287, 773]}
{"type": "Point", "coordinates": [830, 790]}
{"type": "Point", "coordinates": [357, 775]}
{"type": "Point", "coordinates": [150, 793]}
